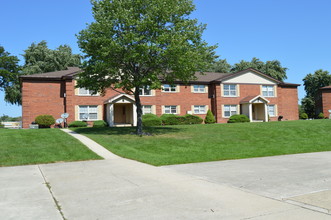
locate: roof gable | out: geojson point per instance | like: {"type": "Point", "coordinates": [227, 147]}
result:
{"type": "Point", "coordinates": [121, 98]}
{"type": "Point", "coordinates": [249, 76]}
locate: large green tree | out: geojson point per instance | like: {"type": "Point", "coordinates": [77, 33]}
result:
{"type": "Point", "coordinates": [40, 59]}
{"type": "Point", "coordinates": [133, 44]}
{"type": "Point", "coordinates": [272, 68]}
{"type": "Point", "coordinates": [220, 66]}
{"type": "Point", "coordinates": [9, 73]}
{"type": "Point", "coordinates": [312, 83]}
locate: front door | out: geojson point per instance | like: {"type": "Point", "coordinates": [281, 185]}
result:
{"type": "Point", "coordinates": [120, 113]}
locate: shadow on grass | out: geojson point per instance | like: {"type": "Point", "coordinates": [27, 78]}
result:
{"type": "Point", "coordinates": [127, 130]}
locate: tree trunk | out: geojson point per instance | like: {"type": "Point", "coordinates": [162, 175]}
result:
{"type": "Point", "coordinates": [139, 112]}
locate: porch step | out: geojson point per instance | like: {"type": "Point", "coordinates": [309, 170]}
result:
{"type": "Point", "coordinates": [122, 125]}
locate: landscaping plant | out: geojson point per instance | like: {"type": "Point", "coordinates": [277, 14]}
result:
{"type": "Point", "coordinates": [210, 118]}
{"type": "Point", "coordinates": [100, 124]}
{"type": "Point", "coordinates": [45, 121]}
{"type": "Point", "coordinates": [238, 119]}
{"type": "Point", "coordinates": [77, 124]}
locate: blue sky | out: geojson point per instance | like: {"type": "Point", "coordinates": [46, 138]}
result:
{"type": "Point", "coordinates": [295, 32]}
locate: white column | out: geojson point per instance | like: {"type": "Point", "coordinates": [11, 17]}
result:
{"type": "Point", "coordinates": [134, 114]}
{"type": "Point", "coordinates": [111, 115]}
{"type": "Point", "coordinates": [266, 112]}
{"type": "Point", "coordinates": [250, 112]}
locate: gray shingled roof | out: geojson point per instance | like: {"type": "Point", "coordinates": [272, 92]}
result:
{"type": "Point", "coordinates": [54, 75]}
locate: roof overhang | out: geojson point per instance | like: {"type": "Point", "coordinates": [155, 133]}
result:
{"type": "Point", "coordinates": [120, 98]}
{"type": "Point", "coordinates": [256, 99]}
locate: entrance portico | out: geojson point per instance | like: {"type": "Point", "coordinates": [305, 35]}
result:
{"type": "Point", "coordinates": [121, 111]}
{"type": "Point", "coordinates": [255, 108]}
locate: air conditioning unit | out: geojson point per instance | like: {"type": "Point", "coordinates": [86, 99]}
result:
{"type": "Point", "coordinates": [189, 112]}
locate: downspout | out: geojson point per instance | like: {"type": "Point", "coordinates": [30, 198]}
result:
{"type": "Point", "coordinates": [64, 99]}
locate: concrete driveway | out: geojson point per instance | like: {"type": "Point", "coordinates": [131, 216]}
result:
{"type": "Point", "coordinates": [302, 179]}
{"type": "Point", "coordinates": [125, 189]}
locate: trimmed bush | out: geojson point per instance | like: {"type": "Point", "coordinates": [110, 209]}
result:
{"type": "Point", "coordinates": [2, 125]}
{"type": "Point", "coordinates": [151, 120]}
{"type": "Point", "coordinates": [320, 115]}
{"type": "Point", "coordinates": [192, 119]}
{"type": "Point", "coordinates": [210, 119]}
{"type": "Point", "coordinates": [100, 124]}
{"type": "Point", "coordinates": [170, 119]}
{"type": "Point", "coordinates": [303, 116]}
{"type": "Point", "coordinates": [77, 124]}
{"type": "Point", "coordinates": [238, 119]}
{"type": "Point", "coordinates": [45, 121]}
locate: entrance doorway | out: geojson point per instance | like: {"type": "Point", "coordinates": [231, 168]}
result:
{"type": "Point", "coordinates": [123, 113]}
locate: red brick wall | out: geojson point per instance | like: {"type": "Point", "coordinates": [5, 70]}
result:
{"type": "Point", "coordinates": [288, 103]}
{"type": "Point", "coordinates": [41, 97]}
{"type": "Point", "coordinates": [326, 99]}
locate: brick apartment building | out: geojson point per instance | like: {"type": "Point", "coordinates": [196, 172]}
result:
{"type": "Point", "coordinates": [323, 101]}
{"type": "Point", "coordinates": [248, 92]}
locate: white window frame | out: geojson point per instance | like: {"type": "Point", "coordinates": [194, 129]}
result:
{"type": "Point", "coordinates": [143, 91]}
{"type": "Point", "coordinates": [170, 109]}
{"type": "Point", "coordinates": [229, 90]}
{"type": "Point", "coordinates": [199, 88]}
{"type": "Point", "coordinates": [169, 88]}
{"type": "Point", "coordinates": [145, 111]}
{"type": "Point", "coordinates": [274, 110]}
{"type": "Point", "coordinates": [199, 109]}
{"type": "Point", "coordinates": [233, 110]}
{"type": "Point", "coordinates": [267, 90]}
{"type": "Point", "coordinates": [89, 111]}
{"type": "Point", "coordinates": [88, 92]}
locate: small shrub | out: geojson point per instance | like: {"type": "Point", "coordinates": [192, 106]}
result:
{"type": "Point", "coordinates": [210, 119]}
{"type": "Point", "coordinates": [100, 124]}
{"type": "Point", "coordinates": [193, 119]}
{"type": "Point", "coordinates": [238, 119]}
{"type": "Point", "coordinates": [77, 124]}
{"type": "Point", "coordinates": [303, 116]}
{"type": "Point", "coordinates": [45, 121]}
{"type": "Point", "coordinates": [2, 125]}
{"type": "Point", "coordinates": [320, 115]}
{"type": "Point", "coordinates": [151, 120]}
{"type": "Point", "coordinates": [169, 119]}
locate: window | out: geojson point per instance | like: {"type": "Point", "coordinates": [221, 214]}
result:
{"type": "Point", "coordinates": [268, 91]}
{"type": "Point", "coordinates": [229, 90]}
{"type": "Point", "coordinates": [88, 112]}
{"type": "Point", "coordinates": [199, 109]}
{"type": "Point", "coordinates": [170, 109]}
{"type": "Point", "coordinates": [84, 91]}
{"type": "Point", "coordinates": [271, 110]}
{"type": "Point", "coordinates": [147, 109]}
{"type": "Point", "coordinates": [229, 110]}
{"type": "Point", "coordinates": [169, 88]}
{"type": "Point", "coordinates": [145, 91]}
{"type": "Point", "coordinates": [199, 88]}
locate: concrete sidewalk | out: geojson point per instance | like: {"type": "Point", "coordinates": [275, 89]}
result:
{"type": "Point", "coordinates": [119, 188]}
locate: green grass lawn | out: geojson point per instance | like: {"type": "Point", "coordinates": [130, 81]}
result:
{"type": "Point", "coordinates": [33, 146]}
{"type": "Point", "coordinates": [198, 143]}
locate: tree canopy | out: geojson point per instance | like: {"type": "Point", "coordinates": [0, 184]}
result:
{"type": "Point", "coordinates": [9, 73]}
{"type": "Point", "coordinates": [133, 44]}
{"type": "Point", "coordinates": [272, 68]}
{"type": "Point", "coordinates": [220, 66]}
{"type": "Point", "coordinates": [313, 82]}
{"type": "Point", "coordinates": [40, 59]}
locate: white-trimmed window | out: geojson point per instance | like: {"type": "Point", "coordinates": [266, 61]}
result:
{"type": "Point", "coordinates": [147, 109]}
{"type": "Point", "coordinates": [170, 109]}
{"type": "Point", "coordinates": [229, 110]}
{"type": "Point", "coordinates": [199, 109]}
{"type": "Point", "coordinates": [268, 91]}
{"type": "Point", "coordinates": [88, 112]}
{"type": "Point", "coordinates": [145, 91]}
{"type": "Point", "coordinates": [87, 92]}
{"type": "Point", "coordinates": [230, 90]}
{"type": "Point", "coordinates": [169, 88]}
{"type": "Point", "coordinates": [199, 88]}
{"type": "Point", "coordinates": [272, 110]}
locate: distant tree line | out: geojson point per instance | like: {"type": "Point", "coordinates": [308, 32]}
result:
{"type": "Point", "coordinates": [8, 118]}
